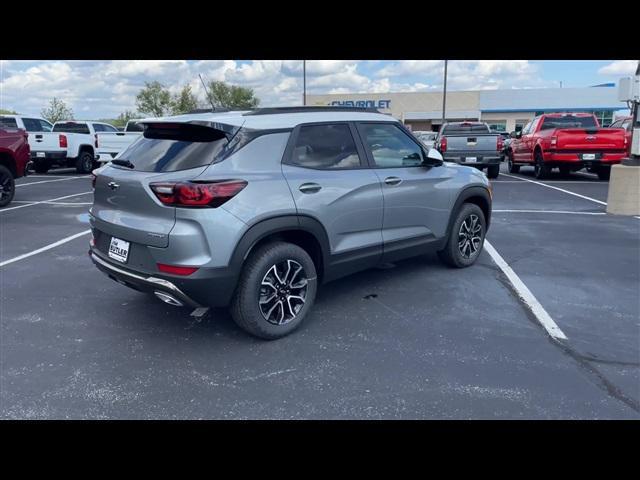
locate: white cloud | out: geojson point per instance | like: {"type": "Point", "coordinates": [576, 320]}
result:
{"type": "Point", "coordinates": [620, 67]}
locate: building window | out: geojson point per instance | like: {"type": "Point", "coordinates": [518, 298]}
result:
{"type": "Point", "coordinates": [520, 124]}
{"type": "Point", "coordinates": [605, 117]}
{"type": "Point", "coordinates": [498, 125]}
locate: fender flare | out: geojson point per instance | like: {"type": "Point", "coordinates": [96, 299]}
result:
{"type": "Point", "coordinates": [465, 193]}
{"type": "Point", "coordinates": [281, 223]}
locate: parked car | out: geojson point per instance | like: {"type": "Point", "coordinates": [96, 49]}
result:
{"type": "Point", "coordinates": [31, 124]}
{"type": "Point", "coordinates": [472, 144]}
{"type": "Point", "coordinates": [568, 141]}
{"type": "Point", "coordinates": [427, 138]}
{"type": "Point", "coordinates": [626, 123]}
{"type": "Point", "coordinates": [79, 144]}
{"type": "Point", "coordinates": [254, 210]}
{"type": "Point", "coordinates": [14, 160]}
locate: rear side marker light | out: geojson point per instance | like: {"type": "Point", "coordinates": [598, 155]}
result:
{"type": "Point", "coordinates": [176, 270]}
{"type": "Point", "coordinates": [192, 194]}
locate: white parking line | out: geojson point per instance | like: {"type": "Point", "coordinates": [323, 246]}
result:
{"type": "Point", "coordinates": [46, 181]}
{"type": "Point", "coordinates": [45, 248]}
{"type": "Point", "coordinates": [44, 201]}
{"type": "Point", "coordinates": [52, 203]}
{"type": "Point", "coordinates": [525, 294]}
{"type": "Point", "coordinates": [549, 211]}
{"type": "Point", "coordinates": [557, 188]}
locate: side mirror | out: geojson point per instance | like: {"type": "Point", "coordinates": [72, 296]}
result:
{"type": "Point", "coordinates": [434, 158]}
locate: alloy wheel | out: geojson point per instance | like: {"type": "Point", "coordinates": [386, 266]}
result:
{"type": "Point", "coordinates": [283, 292]}
{"type": "Point", "coordinates": [5, 186]}
{"type": "Point", "coordinates": [470, 236]}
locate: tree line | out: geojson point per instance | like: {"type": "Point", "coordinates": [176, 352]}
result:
{"type": "Point", "coordinates": [155, 100]}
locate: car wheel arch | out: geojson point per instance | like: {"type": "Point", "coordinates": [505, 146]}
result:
{"type": "Point", "coordinates": [472, 194]}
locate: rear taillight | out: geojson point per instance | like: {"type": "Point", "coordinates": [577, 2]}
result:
{"type": "Point", "coordinates": [96, 136]}
{"type": "Point", "coordinates": [176, 269]}
{"type": "Point", "coordinates": [500, 143]}
{"type": "Point", "coordinates": [63, 141]}
{"type": "Point", "coordinates": [443, 144]}
{"type": "Point", "coordinates": [191, 194]}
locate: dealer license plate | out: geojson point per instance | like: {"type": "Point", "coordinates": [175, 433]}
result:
{"type": "Point", "coordinates": [119, 250]}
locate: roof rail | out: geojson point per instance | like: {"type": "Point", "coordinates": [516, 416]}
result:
{"type": "Point", "coordinates": [209, 110]}
{"type": "Point", "coordinates": [311, 108]}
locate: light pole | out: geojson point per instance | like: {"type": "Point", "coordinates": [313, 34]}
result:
{"type": "Point", "coordinates": [304, 82]}
{"type": "Point", "coordinates": [444, 92]}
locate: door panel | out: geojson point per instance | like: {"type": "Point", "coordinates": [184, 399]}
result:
{"type": "Point", "coordinates": [416, 202]}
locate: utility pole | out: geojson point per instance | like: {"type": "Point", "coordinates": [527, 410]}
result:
{"type": "Point", "coordinates": [304, 82]}
{"type": "Point", "coordinates": [444, 92]}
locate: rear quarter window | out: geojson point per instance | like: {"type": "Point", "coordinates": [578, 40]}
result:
{"type": "Point", "coordinates": [179, 147]}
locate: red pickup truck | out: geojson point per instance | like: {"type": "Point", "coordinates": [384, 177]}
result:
{"type": "Point", "coordinates": [14, 161]}
{"type": "Point", "coordinates": [568, 141]}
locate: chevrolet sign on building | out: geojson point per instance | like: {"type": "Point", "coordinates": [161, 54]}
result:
{"type": "Point", "coordinates": [503, 110]}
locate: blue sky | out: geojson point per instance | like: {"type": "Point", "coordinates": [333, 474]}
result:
{"type": "Point", "coordinates": [103, 89]}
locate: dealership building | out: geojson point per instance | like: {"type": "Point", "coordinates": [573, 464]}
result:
{"type": "Point", "coordinates": [503, 110]}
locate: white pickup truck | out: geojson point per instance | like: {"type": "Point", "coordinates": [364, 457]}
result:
{"type": "Point", "coordinates": [79, 144]}
{"type": "Point", "coordinates": [31, 124]}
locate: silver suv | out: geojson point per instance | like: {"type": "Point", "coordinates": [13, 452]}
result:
{"type": "Point", "coordinates": [253, 210]}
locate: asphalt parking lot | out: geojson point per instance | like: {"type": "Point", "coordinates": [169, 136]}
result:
{"type": "Point", "coordinates": [416, 340]}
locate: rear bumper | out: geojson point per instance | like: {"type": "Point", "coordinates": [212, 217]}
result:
{"type": "Point", "coordinates": [40, 155]}
{"type": "Point", "coordinates": [213, 287]}
{"type": "Point", "coordinates": [577, 158]}
{"type": "Point", "coordinates": [483, 159]}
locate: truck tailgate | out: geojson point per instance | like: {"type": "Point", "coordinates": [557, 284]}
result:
{"type": "Point", "coordinates": [590, 139]}
{"type": "Point", "coordinates": [46, 142]}
{"type": "Point", "coordinates": [111, 142]}
{"type": "Point", "coordinates": [472, 142]}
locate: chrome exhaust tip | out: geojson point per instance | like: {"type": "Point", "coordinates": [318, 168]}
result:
{"type": "Point", "coordinates": [166, 298]}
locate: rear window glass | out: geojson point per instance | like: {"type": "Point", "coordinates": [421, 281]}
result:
{"type": "Point", "coordinates": [71, 127]}
{"type": "Point", "coordinates": [8, 122]}
{"type": "Point", "coordinates": [174, 147]}
{"type": "Point", "coordinates": [568, 121]}
{"type": "Point", "coordinates": [454, 128]}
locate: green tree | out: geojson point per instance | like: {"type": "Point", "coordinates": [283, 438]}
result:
{"type": "Point", "coordinates": [232, 96]}
{"type": "Point", "coordinates": [184, 102]}
{"type": "Point", "coordinates": [7, 112]}
{"type": "Point", "coordinates": [154, 100]}
{"type": "Point", "coordinates": [56, 111]}
{"type": "Point", "coordinates": [124, 117]}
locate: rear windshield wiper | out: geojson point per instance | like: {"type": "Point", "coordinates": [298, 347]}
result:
{"type": "Point", "coordinates": [123, 163]}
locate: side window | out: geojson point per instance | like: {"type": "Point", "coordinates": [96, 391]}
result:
{"type": "Point", "coordinates": [45, 126]}
{"type": "Point", "coordinates": [8, 122]}
{"type": "Point", "coordinates": [390, 146]}
{"type": "Point", "coordinates": [526, 128]}
{"type": "Point", "coordinates": [31, 124]}
{"type": "Point", "coordinates": [325, 147]}
{"type": "Point", "coordinates": [98, 128]}
{"type": "Point", "coordinates": [108, 128]}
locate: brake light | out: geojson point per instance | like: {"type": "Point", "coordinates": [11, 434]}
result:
{"type": "Point", "coordinates": [443, 144]}
{"type": "Point", "coordinates": [176, 270]}
{"type": "Point", "coordinates": [500, 143]}
{"type": "Point", "coordinates": [96, 135]}
{"type": "Point", "coordinates": [191, 194]}
{"type": "Point", "coordinates": [63, 141]}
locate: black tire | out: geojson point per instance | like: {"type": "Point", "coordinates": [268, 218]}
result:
{"type": "Point", "coordinates": [41, 167]}
{"type": "Point", "coordinates": [493, 171]}
{"type": "Point", "coordinates": [451, 254]}
{"type": "Point", "coordinates": [7, 186]}
{"type": "Point", "coordinates": [252, 293]}
{"type": "Point", "coordinates": [84, 163]}
{"type": "Point", "coordinates": [512, 168]}
{"type": "Point", "coordinates": [565, 171]}
{"type": "Point", "coordinates": [540, 169]}
{"type": "Point", "coordinates": [604, 173]}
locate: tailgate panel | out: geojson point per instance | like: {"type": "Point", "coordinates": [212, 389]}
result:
{"type": "Point", "coordinates": [581, 139]}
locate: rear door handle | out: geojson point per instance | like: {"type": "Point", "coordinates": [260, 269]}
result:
{"type": "Point", "coordinates": [393, 181]}
{"type": "Point", "coordinates": [309, 188]}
